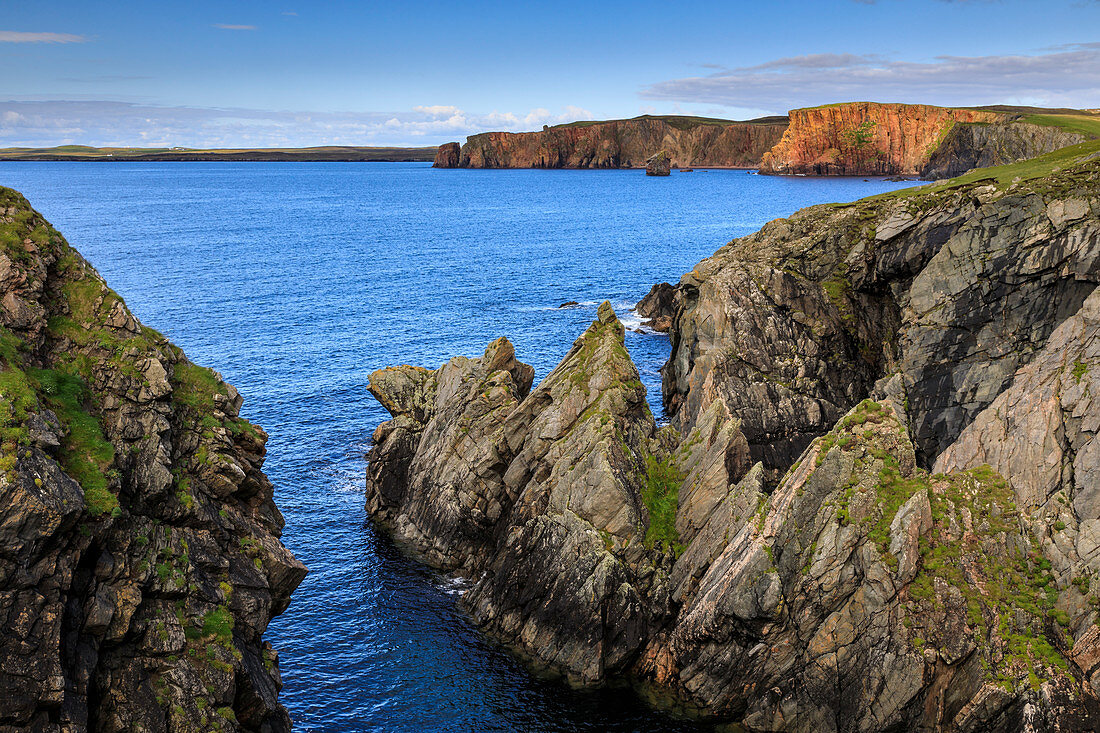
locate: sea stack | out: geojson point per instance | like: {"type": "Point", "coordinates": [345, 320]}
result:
{"type": "Point", "coordinates": [448, 156]}
{"type": "Point", "coordinates": [659, 164]}
{"type": "Point", "coordinates": [861, 517]}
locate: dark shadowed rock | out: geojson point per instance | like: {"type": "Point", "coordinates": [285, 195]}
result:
{"type": "Point", "coordinates": [447, 156]}
{"type": "Point", "coordinates": [969, 146]}
{"type": "Point", "coordinates": [658, 307]}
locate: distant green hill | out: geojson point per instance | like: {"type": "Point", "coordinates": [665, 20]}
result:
{"type": "Point", "coordinates": [329, 153]}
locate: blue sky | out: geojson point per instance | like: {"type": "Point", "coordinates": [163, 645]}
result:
{"type": "Point", "coordinates": [237, 73]}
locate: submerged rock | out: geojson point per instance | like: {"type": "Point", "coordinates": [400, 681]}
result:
{"type": "Point", "coordinates": [140, 560]}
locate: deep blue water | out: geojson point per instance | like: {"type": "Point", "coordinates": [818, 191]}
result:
{"type": "Point", "coordinates": [297, 280]}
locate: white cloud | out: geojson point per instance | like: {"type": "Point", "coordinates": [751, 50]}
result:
{"type": "Point", "coordinates": [1064, 76]}
{"type": "Point", "coordinates": [108, 123]}
{"type": "Point", "coordinates": [230, 27]}
{"type": "Point", "coordinates": [24, 37]}
{"type": "Point", "coordinates": [438, 110]}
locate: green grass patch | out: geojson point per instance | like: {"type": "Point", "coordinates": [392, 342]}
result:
{"type": "Point", "coordinates": [661, 496]}
{"type": "Point", "coordinates": [1088, 125]}
{"type": "Point", "coordinates": [219, 624]}
{"type": "Point", "coordinates": [86, 454]}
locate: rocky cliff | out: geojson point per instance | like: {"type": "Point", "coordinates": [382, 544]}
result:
{"type": "Point", "coordinates": [626, 144]}
{"type": "Point", "coordinates": [874, 509]}
{"type": "Point", "coordinates": [447, 156]}
{"type": "Point", "coordinates": [140, 560]}
{"type": "Point", "coordinates": [982, 145]}
{"type": "Point", "coordinates": [864, 138]}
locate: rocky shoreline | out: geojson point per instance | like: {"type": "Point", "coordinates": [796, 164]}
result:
{"type": "Point", "coordinates": [874, 507]}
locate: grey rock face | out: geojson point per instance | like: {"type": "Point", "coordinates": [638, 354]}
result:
{"type": "Point", "coordinates": [967, 146]}
{"type": "Point", "coordinates": [538, 495]}
{"type": "Point", "coordinates": [139, 555]}
{"type": "Point", "coordinates": [792, 325]}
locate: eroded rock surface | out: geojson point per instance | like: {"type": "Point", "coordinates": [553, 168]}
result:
{"type": "Point", "coordinates": [140, 560]}
{"type": "Point", "coordinates": [659, 164]}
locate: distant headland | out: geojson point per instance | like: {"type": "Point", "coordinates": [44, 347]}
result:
{"type": "Point", "coordinates": [326, 153]}
{"type": "Point", "coordinates": [849, 138]}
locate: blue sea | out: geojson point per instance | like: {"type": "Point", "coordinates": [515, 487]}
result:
{"type": "Point", "coordinates": [296, 280]}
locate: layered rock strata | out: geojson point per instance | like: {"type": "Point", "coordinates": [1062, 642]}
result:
{"type": "Point", "coordinates": [626, 144]}
{"type": "Point", "coordinates": [140, 560]}
{"type": "Point", "coordinates": [865, 138]}
{"type": "Point", "coordinates": [447, 156]}
{"type": "Point", "coordinates": [874, 509]}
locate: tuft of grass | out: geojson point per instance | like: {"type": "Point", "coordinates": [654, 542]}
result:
{"type": "Point", "coordinates": [219, 624]}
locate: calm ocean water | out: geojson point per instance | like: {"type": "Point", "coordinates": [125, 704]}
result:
{"type": "Point", "coordinates": [296, 280]}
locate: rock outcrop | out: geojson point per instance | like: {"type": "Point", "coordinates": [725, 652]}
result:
{"type": "Point", "coordinates": [140, 560]}
{"type": "Point", "coordinates": [627, 144]}
{"type": "Point", "coordinates": [447, 156]}
{"type": "Point", "coordinates": [658, 307]}
{"type": "Point", "coordinates": [875, 508]}
{"type": "Point", "coordinates": [982, 145]}
{"type": "Point", "coordinates": [865, 138]}
{"type": "Point", "coordinates": [540, 495]}
{"type": "Point", "coordinates": [659, 164]}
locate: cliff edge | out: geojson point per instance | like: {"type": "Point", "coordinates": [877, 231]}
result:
{"type": "Point", "coordinates": [140, 560]}
{"type": "Point", "coordinates": [627, 144]}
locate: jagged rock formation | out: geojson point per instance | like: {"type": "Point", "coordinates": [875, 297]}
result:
{"type": "Point", "coordinates": [982, 145]}
{"type": "Point", "coordinates": [140, 560]}
{"type": "Point", "coordinates": [627, 144]}
{"type": "Point", "coordinates": [875, 509]}
{"type": "Point", "coordinates": [658, 307]}
{"type": "Point", "coordinates": [659, 164]}
{"type": "Point", "coordinates": [864, 138]}
{"type": "Point", "coordinates": [447, 156]}
{"type": "Point", "coordinates": [539, 495]}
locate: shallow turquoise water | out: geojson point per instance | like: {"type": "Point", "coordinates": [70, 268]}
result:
{"type": "Point", "coordinates": [296, 280]}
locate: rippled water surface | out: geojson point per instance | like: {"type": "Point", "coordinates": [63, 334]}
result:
{"type": "Point", "coordinates": [296, 280]}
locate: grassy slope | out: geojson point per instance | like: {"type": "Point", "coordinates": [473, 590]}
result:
{"type": "Point", "coordinates": [1005, 175]}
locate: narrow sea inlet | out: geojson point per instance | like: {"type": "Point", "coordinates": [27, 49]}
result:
{"type": "Point", "coordinates": [297, 280]}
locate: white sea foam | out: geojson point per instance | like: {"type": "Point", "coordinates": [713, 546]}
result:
{"type": "Point", "coordinates": [453, 585]}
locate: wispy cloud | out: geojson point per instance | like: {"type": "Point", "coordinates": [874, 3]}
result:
{"type": "Point", "coordinates": [230, 27]}
{"type": "Point", "coordinates": [106, 123]}
{"type": "Point", "coordinates": [1064, 76]}
{"type": "Point", "coordinates": [25, 37]}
